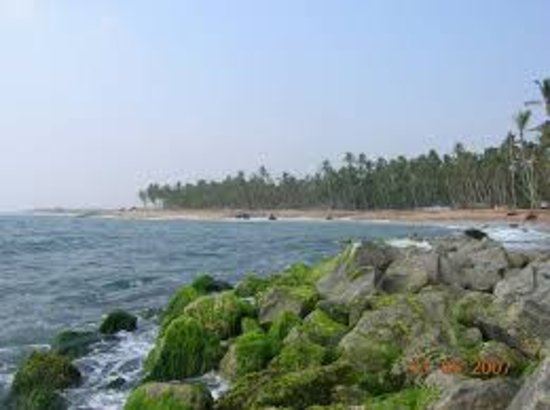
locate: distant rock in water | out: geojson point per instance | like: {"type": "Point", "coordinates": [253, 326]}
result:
{"type": "Point", "coordinates": [475, 234]}
{"type": "Point", "coordinates": [118, 320]}
{"type": "Point", "coordinates": [243, 215]}
{"type": "Point", "coordinates": [272, 217]}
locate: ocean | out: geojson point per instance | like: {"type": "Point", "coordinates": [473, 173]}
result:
{"type": "Point", "coordinates": [59, 272]}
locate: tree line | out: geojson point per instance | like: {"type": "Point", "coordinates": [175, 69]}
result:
{"type": "Point", "coordinates": [515, 174]}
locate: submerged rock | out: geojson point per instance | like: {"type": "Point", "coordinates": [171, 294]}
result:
{"type": "Point", "coordinates": [475, 234]}
{"type": "Point", "coordinates": [118, 320]}
{"type": "Point", "coordinates": [74, 343]}
{"type": "Point", "coordinates": [170, 396]}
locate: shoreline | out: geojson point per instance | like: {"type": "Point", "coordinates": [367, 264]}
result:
{"type": "Point", "coordinates": [410, 216]}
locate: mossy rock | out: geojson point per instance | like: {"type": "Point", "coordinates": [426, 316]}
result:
{"type": "Point", "coordinates": [336, 311]}
{"type": "Point", "coordinates": [299, 354]}
{"type": "Point", "coordinates": [282, 325]}
{"type": "Point", "coordinates": [179, 301]}
{"type": "Point", "coordinates": [296, 390]}
{"type": "Point", "coordinates": [250, 352]}
{"type": "Point", "coordinates": [118, 320]}
{"type": "Point", "coordinates": [187, 349]}
{"type": "Point", "coordinates": [207, 284]}
{"type": "Point", "coordinates": [249, 324]}
{"type": "Point", "coordinates": [299, 300]}
{"type": "Point", "coordinates": [170, 396]}
{"type": "Point", "coordinates": [416, 398]}
{"type": "Point", "coordinates": [322, 329]}
{"type": "Point", "coordinates": [220, 314]}
{"type": "Point", "coordinates": [252, 285]}
{"type": "Point", "coordinates": [74, 343]}
{"type": "Point", "coordinates": [45, 371]}
{"type": "Point", "coordinates": [37, 399]}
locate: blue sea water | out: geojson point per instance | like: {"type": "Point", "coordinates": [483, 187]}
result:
{"type": "Point", "coordinates": [59, 272]}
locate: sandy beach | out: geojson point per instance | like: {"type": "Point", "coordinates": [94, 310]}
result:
{"type": "Point", "coordinates": [417, 215]}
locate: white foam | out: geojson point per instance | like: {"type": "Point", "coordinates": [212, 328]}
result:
{"type": "Point", "coordinates": [406, 243]}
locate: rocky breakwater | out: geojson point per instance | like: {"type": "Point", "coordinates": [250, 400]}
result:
{"type": "Point", "coordinates": [464, 324]}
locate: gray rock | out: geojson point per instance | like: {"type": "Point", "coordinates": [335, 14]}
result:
{"type": "Point", "coordinates": [531, 284]}
{"type": "Point", "coordinates": [471, 264]}
{"type": "Point", "coordinates": [493, 394]}
{"type": "Point", "coordinates": [535, 392]}
{"type": "Point", "coordinates": [361, 265]}
{"type": "Point", "coordinates": [443, 381]}
{"type": "Point", "coordinates": [279, 299]}
{"type": "Point", "coordinates": [410, 272]}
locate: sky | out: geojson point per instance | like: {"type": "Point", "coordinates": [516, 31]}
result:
{"type": "Point", "coordinates": [99, 98]}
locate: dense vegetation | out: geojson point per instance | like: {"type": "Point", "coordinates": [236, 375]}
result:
{"type": "Point", "coordinates": [516, 173]}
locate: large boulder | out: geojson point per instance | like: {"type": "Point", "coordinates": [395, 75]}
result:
{"type": "Point", "coordinates": [298, 353]}
{"type": "Point", "coordinates": [535, 392]}
{"type": "Point", "coordinates": [475, 394]}
{"type": "Point", "coordinates": [117, 321]}
{"type": "Point", "coordinates": [299, 300]}
{"type": "Point", "coordinates": [170, 396]}
{"type": "Point", "coordinates": [471, 264]}
{"type": "Point", "coordinates": [518, 324]}
{"type": "Point", "coordinates": [178, 302]}
{"type": "Point", "coordinates": [186, 349]}
{"type": "Point", "coordinates": [410, 272]}
{"type": "Point", "coordinates": [532, 284]}
{"type": "Point", "coordinates": [219, 313]}
{"type": "Point", "coordinates": [356, 272]}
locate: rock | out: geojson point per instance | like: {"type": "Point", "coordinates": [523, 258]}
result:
{"type": "Point", "coordinates": [475, 234]}
{"type": "Point", "coordinates": [179, 301]}
{"type": "Point", "coordinates": [172, 396]}
{"type": "Point", "coordinates": [410, 272]}
{"type": "Point", "coordinates": [356, 272]}
{"type": "Point", "coordinates": [74, 343]}
{"type": "Point", "coordinates": [219, 313]}
{"type": "Point", "coordinates": [493, 394]}
{"type": "Point", "coordinates": [472, 264]}
{"type": "Point", "coordinates": [36, 383]}
{"type": "Point", "coordinates": [250, 352]}
{"type": "Point", "coordinates": [249, 324]}
{"type": "Point", "coordinates": [531, 284]}
{"type": "Point", "coordinates": [207, 284]}
{"type": "Point", "coordinates": [251, 286]}
{"type": "Point", "coordinates": [186, 349]}
{"type": "Point", "coordinates": [522, 326]}
{"type": "Point", "coordinates": [498, 352]}
{"type": "Point", "coordinates": [322, 329]}
{"type": "Point", "coordinates": [296, 390]}
{"type": "Point", "coordinates": [337, 312]}
{"type": "Point", "coordinates": [410, 398]}
{"type": "Point", "coordinates": [281, 327]}
{"type": "Point", "coordinates": [45, 371]}
{"type": "Point", "coordinates": [118, 320]}
{"type": "Point", "coordinates": [443, 381]}
{"type": "Point", "coordinates": [116, 384]}
{"type": "Point", "coordinates": [299, 353]}
{"type": "Point", "coordinates": [517, 259]}
{"type": "Point", "coordinates": [298, 300]}
{"type": "Point", "coordinates": [535, 392]}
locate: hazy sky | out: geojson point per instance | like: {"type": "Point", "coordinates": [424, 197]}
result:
{"type": "Point", "coordinates": [98, 98]}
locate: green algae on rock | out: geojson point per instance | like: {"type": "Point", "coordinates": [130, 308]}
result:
{"type": "Point", "coordinates": [322, 329]}
{"type": "Point", "coordinates": [170, 396]}
{"type": "Point", "coordinates": [220, 313]}
{"type": "Point", "coordinates": [186, 349]}
{"type": "Point", "coordinates": [250, 352]}
{"type": "Point", "coordinates": [178, 302]}
{"type": "Point", "coordinates": [299, 300]}
{"type": "Point", "coordinates": [118, 320]}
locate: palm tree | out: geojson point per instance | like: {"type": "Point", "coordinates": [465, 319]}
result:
{"type": "Point", "coordinates": [522, 120]}
{"type": "Point", "coordinates": [544, 88]}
